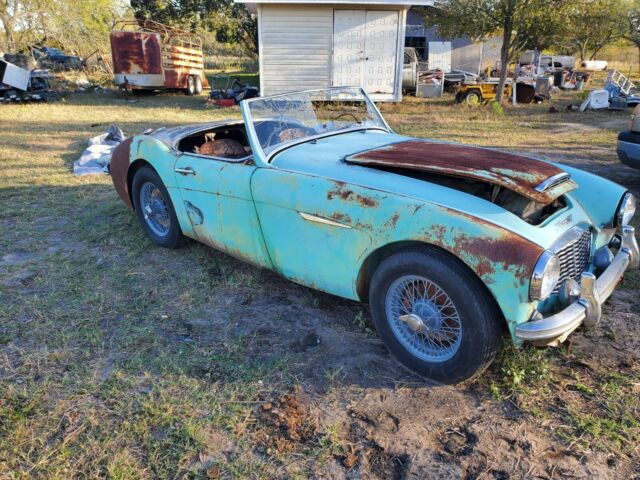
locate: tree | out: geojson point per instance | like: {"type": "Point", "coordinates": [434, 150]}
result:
{"type": "Point", "coordinates": [632, 30]}
{"type": "Point", "coordinates": [8, 10]}
{"type": "Point", "coordinates": [72, 25]}
{"type": "Point", "coordinates": [230, 21]}
{"type": "Point", "coordinates": [591, 25]}
{"type": "Point", "coordinates": [521, 23]}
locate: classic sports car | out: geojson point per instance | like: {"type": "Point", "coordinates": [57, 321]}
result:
{"type": "Point", "coordinates": [447, 242]}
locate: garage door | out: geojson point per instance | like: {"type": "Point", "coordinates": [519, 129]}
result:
{"type": "Point", "coordinates": [365, 46]}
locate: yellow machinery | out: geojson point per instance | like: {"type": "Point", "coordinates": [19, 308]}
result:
{"type": "Point", "coordinates": [476, 94]}
{"type": "Point", "coordinates": [480, 93]}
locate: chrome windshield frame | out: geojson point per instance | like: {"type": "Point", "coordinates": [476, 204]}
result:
{"type": "Point", "coordinates": [264, 159]}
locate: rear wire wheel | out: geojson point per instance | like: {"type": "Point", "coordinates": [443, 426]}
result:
{"type": "Point", "coordinates": [155, 210]}
{"type": "Point", "coordinates": [435, 316]}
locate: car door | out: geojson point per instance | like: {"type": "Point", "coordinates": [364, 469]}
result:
{"type": "Point", "coordinates": [217, 197]}
{"type": "Point", "coordinates": [311, 228]}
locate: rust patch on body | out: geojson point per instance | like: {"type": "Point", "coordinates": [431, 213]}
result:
{"type": "Point", "coordinates": [507, 251]}
{"type": "Point", "coordinates": [518, 173]}
{"type": "Point", "coordinates": [119, 168]}
{"type": "Point", "coordinates": [342, 218]}
{"type": "Point", "coordinates": [350, 196]}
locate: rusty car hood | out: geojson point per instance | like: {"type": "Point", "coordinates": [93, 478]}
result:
{"type": "Point", "coordinates": [534, 179]}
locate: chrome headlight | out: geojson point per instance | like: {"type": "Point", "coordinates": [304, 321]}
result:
{"type": "Point", "coordinates": [626, 210]}
{"type": "Point", "coordinates": [545, 276]}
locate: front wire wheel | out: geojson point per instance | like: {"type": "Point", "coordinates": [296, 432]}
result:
{"type": "Point", "coordinates": [423, 318]}
{"type": "Point", "coordinates": [435, 316]}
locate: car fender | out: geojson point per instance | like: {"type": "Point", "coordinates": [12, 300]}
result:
{"type": "Point", "coordinates": [161, 158]}
{"type": "Point", "coordinates": [597, 196]}
{"type": "Point", "coordinates": [502, 259]}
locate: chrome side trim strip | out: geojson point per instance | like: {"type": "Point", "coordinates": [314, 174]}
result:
{"type": "Point", "coordinates": [552, 181]}
{"type": "Point", "coordinates": [322, 220]}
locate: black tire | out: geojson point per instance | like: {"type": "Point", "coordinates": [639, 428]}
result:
{"type": "Point", "coordinates": [198, 84]}
{"type": "Point", "coordinates": [174, 237]}
{"type": "Point", "coordinates": [191, 86]}
{"type": "Point", "coordinates": [480, 319]}
{"type": "Point", "coordinates": [472, 98]}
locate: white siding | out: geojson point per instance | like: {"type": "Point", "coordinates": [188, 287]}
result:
{"type": "Point", "coordinates": [296, 45]}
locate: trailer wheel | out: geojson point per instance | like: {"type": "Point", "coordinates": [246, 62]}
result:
{"type": "Point", "coordinates": [198, 80]}
{"type": "Point", "coordinates": [191, 86]}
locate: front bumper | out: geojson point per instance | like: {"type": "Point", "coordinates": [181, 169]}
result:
{"type": "Point", "coordinates": [594, 292]}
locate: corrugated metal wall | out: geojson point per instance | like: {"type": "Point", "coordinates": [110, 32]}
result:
{"type": "Point", "coordinates": [296, 47]}
{"type": "Point", "coordinates": [465, 54]}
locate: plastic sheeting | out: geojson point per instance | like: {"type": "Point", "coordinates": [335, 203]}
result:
{"type": "Point", "coordinates": [97, 157]}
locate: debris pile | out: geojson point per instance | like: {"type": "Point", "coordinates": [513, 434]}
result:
{"type": "Point", "coordinates": [97, 157]}
{"type": "Point", "coordinates": [19, 84]}
{"type": "Point", "coordinates": [232, 94]}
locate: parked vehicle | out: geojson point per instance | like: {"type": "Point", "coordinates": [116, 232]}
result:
{"type": "Point", "coordinates": [410, 69]}
{"type": "Point", "coordinates": [547, 63]}
{"type": "Point", "coordinates": [447, 242]}
{"type": "Point", "coordinates": [150, 56]}
{"type": "Point", "coordinates": [629, 142]}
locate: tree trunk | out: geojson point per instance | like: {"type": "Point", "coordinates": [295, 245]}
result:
{"type": "Point", "coordinates": [504, 55]}
{"type": "Point", "coordinates": [583, 51]}
{"type": "Point", "coordinates": [7, 25]}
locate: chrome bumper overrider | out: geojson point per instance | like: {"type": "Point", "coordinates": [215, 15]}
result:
{"type": "Point", "coordinates": [588, 308]}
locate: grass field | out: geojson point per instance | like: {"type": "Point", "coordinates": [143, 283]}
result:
{"type": "Point", "coordinates": [125, 361]}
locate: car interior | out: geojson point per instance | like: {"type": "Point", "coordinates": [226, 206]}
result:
{"type": "Point", "coordinates": [227, 142]}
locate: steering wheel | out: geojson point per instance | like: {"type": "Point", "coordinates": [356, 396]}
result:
{"type": "Point", "coordinates": [276, 135]}
{"type": "Point", "coordinates": [347, 114]}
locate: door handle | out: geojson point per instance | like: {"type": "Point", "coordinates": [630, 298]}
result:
{"type": "Point", "coordinates": [186, 171]}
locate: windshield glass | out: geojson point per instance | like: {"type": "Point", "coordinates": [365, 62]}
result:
{"type": "Point", "coordinates": [294, 117]}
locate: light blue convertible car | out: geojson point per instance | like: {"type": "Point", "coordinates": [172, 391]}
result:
{"type": "Point", "coordinates": [448, 243]}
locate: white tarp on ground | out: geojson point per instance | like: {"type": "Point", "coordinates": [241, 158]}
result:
{"type": "Point", "coordinates": [97, 157]}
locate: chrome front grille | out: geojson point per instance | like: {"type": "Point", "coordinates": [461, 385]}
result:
{"type": "Point", "coordinates": [574, 258]}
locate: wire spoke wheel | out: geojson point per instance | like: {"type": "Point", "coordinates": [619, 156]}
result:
{"type": "Point", "coordinates": [155, 209]}
{"type": "Point", "coordinates": [423, 318]}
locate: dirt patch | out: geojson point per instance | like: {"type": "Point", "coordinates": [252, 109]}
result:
{"type": "Point", "coordinates": [285, 425]}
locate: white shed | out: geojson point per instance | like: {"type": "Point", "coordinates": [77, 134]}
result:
{"type": "Point", "coordinates": [319, 44]}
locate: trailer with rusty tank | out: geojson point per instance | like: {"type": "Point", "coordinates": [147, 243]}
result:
{"type": "Point", "coordinates": [151, 56]}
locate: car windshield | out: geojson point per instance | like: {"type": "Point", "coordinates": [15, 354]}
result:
{"type": "Point", "coordinates": [296, 117]}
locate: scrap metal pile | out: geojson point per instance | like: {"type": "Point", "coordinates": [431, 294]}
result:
{"type": "Point", "coordinates": [619, 93]}
{"type": "Point", "coordinates": [232, 94]}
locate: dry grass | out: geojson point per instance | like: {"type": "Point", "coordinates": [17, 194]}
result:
{"type": "Point", "coordinates": [124, 361]}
